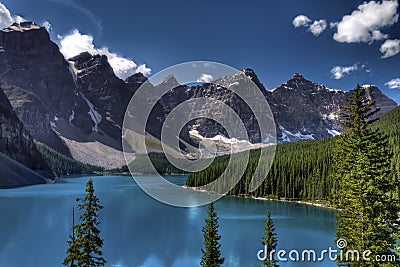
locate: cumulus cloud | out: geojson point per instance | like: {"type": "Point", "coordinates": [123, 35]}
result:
{"type": "Point", "coordinates": [47, 25]}
{"type": "Point", "coordinates": [390, 48]}
{"type": "Point", "coordinates": [338, 72]}
{"type": "Point", "coordinates": [301, 21]}
{"type": "Point", "coordinates": [143, 69]}
{"type": "Point", "coordinates": [365, 23]}
{"type": "Point", "coordinates": [76, 43]}
{"type": "Point", "coordinates": [6, 19]}
{"type": "Point", "coordinates": [318, 27]}
{"type": "Point", "coordinates": [19, 19]}
{"type": "Point", "coordinates": [393, 84]}
{"type": "Point", "coordinates": [205, 78]}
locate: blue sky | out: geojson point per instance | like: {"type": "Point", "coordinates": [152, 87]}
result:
{"type": "Point", "coordinates": [336, 43]}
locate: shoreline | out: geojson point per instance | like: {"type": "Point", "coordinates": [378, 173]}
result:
{"type": "Point", "coordinates": [320, 205]}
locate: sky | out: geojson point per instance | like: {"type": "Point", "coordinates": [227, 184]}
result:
{"type": "Point", "coordinates": [338, 43]}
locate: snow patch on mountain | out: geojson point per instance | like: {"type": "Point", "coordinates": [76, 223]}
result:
{"type": "Point", "coordinates": [333, 132]}
{"type": "Point", "coordinates": [73, 71]}
{"type": "Point", "coordinates": [333, 90]}
{"type": "Point", "coordinates": [288, 136]}
{"type": "Point", "coordinates": [71, 117]}
{"type": "Point", "coordinates": [94, 115]}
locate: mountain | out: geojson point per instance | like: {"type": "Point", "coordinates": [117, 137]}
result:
{"type": "Point", "coordinates": [76, 106]}
{"type": "Point", "coordinates": [308, 110]}
{"type": "Point", "coordinates": [302, 109]}
{"type": "Point", "coordinates": [20, 162]}
{"type": "Point", "coordinates": [108, 95]}
{"type": "Point", "coordinates": [36, 79]}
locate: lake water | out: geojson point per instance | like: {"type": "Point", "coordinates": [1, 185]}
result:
{"type": "Point", "coordinates": [140, 231]}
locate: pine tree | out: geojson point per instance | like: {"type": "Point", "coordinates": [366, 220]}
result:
{"type": "Point", "coordinates": [366, 190]}
{"type": "Point", "coordinates": [270, 241]}
{"type": "Point", "coordinates": [72, 251]}
{"type": "Point", "coordinates": [85, 248]}
{"type": "Point", "coordinates": [212, 253]}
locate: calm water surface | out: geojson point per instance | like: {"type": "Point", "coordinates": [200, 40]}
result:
{"type": "Point", "coordinates": [140, 231]}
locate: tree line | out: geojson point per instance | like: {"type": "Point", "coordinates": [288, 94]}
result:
{"type": "Point", "coordinates": [62, 165]}
{"type": "Point", "coordinates": [301, 170]}
{"type": "Point", "coordinates": [364, 189]}
{"type": "Point", "coordinates": [357, 172]}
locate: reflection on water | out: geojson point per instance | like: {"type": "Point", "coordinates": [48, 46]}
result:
{"type": "Point", "coordinates": [139, 231]}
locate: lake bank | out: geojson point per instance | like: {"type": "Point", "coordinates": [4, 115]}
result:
{"type": "Point", "coordinates": [320, 204]}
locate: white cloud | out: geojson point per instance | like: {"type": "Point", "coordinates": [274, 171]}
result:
{"type": "Point", "coordinates": [206, 78]}
{"type": "Point", "coordinates": [19, 19]}
{"type": "Point", "coordinates": [76, 43]}
{"type": "Point", "coordinates": [394, 83]}
{"type": "Point", "coordinates": [365, 23]}
{"type": "Point", "coordinates": [390, 48]}
{"type": "Point", "coordinates": [338, 72]}
{"type": "Point", "coordinates": [5, 17]}
{"type": "Point", "coordinates": [47, 25]}
{"type": "Point", "coordinates": [333, 24]}
{"type": "Point", "coordinates": [301, 20]}
{"type": "Point", "coordinates": [318, 27]}
{"type": "Point", "coordinates": [143, 69]}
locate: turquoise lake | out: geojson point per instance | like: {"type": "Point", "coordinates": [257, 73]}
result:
{"type": "Point", "coordinates": [140, 231]}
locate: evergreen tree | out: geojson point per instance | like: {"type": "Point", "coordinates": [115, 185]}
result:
{"type": "Point", "coordinates": [212, 253]}
{"type": "Point", "coordinates": [368, 207]}
{"type": "Point", "coordinates": [270, 241]}
{"type": "Point", "coordinates": [85, 248]}
{"type": "Point", "coordinates": [72, 251]}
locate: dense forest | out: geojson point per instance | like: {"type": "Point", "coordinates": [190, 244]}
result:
{"type": "Point", "coordinates": [62, 165]}
{"type": "Point", "coordinates": [301, 170]}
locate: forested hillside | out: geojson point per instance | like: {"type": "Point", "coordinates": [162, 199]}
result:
{"type": "Point", "coordinates": [62, 165]}
{"type": "Point", "coordinates": [301, 170]}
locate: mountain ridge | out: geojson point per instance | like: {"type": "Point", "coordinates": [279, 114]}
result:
{"type": "Point", "coordinates": [77, 105]}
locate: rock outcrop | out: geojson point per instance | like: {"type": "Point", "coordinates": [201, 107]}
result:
{"type": "Point", "coordinates": [21, 163]}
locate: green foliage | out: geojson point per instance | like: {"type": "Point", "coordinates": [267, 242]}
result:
{"type": "Point", "coordinates": [159, 162]}
{"type": "Point", "coordinates": [72, 251]}
{"type": "Point", "coordinates": [366, 189]}
{"type": "Point", "coordinates": [301, 170]}
{"type": "Point", "coordinates": [85, 244]}
{"type": "Point", "coordinates": [62, 165]}
{"type": "Point", "coordinates": [212, 253]}
{"type": "Point", "coordinates": [270, 241]}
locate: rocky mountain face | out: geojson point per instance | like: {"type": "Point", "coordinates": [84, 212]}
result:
{"type": "Point", "coordinates": [77, 105]}
{"type": "Point", "coordinates": [38, 82]}
{"type": "Point", "coordinates": [107, 94]}
{"type": "Point", "coordinates": [21, 163]}
{"type": "Point", "coordinates": [302, 109]}
{"type": "Point", "coordinates": [64, 103]}
{"type": "Point", "coordinates": [307, 110]}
